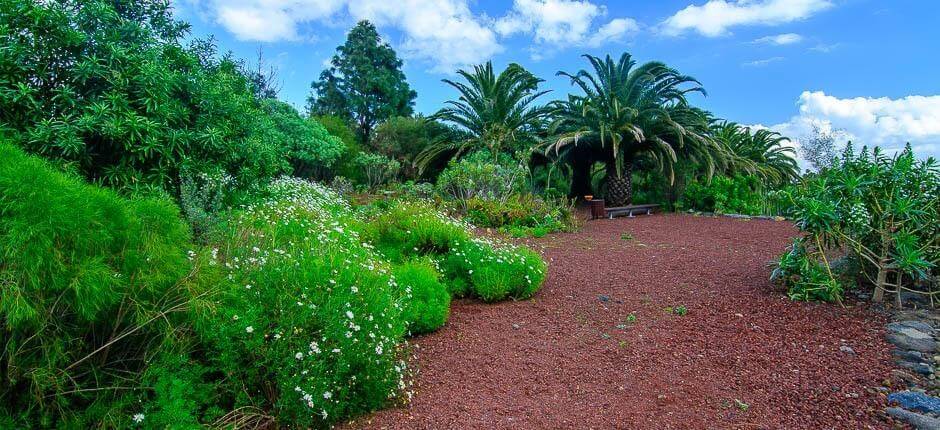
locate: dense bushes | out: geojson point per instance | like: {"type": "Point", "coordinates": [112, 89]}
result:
{"type": "Point", "coordinates": [476, 176]}
{"type": "Point", "coordinates": [93, 286]}
{"type": "Point", "coordinates": [883, 210]}
{"type": "Point", "coordinates": [736, 194]}
{"type": "Point", "coordinates": [311, 326]}
{"type": "Point", "coordinates": [523, 214]}
{"type": "Point", "coordinates": [110, 89]}
{"type": "Point", "coordinates": [472, 266]}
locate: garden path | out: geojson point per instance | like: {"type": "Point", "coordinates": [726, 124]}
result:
{"type": "Point", "coordinates": [743, 355]}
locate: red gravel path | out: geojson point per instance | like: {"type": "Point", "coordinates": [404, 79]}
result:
{"type": "Point", "coordinates": [560, 360]}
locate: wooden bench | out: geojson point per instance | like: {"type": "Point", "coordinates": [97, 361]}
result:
{"type": "Point", "coordinates": [630, 210]}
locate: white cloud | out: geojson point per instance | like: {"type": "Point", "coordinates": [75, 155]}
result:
{"type": "Point", "coordinates": [715, 17]}
{"type": "Point", "coordinates": [889, 123]}
{"type": "Point", "coordinates": [763, 62]}
{"type": "Point", "coordinates": [614, 30]}
{"type": "Point", "coordinates": [563, 23]}
{"type": "Point", "coordinates": [444, 32]}
{"type": "Point", "coordinates": [780, 39]}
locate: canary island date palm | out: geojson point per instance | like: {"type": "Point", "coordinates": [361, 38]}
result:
{"type": "Point", "coordinates": [759, 152]}
{"type": "Point", "coordinates": [626, 112]}
{"type": "Point", "coordinates": [497, 111]}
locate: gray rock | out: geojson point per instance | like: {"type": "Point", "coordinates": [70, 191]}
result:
{"type": "Point", "coordinates": [847, 349]}
{"type": "Point", "coordinates": [603, 298]}
{"type": "Point", "coordinates": [920, 422]}
{"type": "Point", "coordinates": [916, 325]}
{"type": "Point", "coordinates": [922, 368]}
{"type": "Point", "coordinates": [909, 338]}
{"type": "Point", "coordinates": [915, 356]}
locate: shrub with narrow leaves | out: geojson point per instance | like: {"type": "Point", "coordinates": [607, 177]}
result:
{"type": "Point", "coordinates": [91, 286]}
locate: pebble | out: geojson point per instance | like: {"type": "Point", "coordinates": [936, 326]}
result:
{"type": "Point", "coordinates": [847, 349]}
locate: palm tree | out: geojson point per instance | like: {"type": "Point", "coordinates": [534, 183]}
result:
{"type": "Point", "coordinates": [761, 152]}
{"type": "Point", "coordinates": [628, 112]}
{"type": "Point", "coordinates": [496, 111]}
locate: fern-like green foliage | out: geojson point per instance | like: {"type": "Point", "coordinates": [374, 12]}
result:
{"type": "Point", "coordinates": [92, 283]}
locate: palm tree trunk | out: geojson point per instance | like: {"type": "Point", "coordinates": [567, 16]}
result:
{"type": "Point", "coordinates": [620, 188]}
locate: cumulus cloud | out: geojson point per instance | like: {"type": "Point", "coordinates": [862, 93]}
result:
{"type": "Point", "coordinates": [715, 17]}
{"type": "Point", "coordinates": [780, 39]}
{"type": "Point", "coordinates": [563, 23]}
{"type": "Point", "coordinates": [443, 32]}
{"type": "Point", "coordinates": [885, 122]}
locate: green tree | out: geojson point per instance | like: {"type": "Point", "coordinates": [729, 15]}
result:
{"type": "Point", "coordinates": [312, 151]}
{"type": "Point", "coordinates": [625, 113]}
{"type": "Point", "coordinates": [759, 152]}
{"type": "Point", "coordinates": [403, 138]}
{"type": "Point", "coordinates": [108, 88]}
{"type": "Point", "coordinates": [496, 111]}
{"type": "Point", "coordinates": [364, 83]}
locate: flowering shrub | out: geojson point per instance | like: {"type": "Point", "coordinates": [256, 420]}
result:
{"type": "Point", "coordinates": [429, 303]}
{"type": "Point", "coordinates": [91, 286]}
{"type": "Point", "coordinates": [311, 328]}
{"type": "Point", "coordinates": [473, 266]}
{"type": "Point", "coordinates": [493, 271]}
{"type": "Point", "coordinates": [885, 211]}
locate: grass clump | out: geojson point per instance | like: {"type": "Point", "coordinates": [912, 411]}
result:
{"type": "Point", "coordinates": [93, 284]}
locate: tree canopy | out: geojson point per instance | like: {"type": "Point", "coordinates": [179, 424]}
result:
{"type": "Point", "coordinates": [364, 84]}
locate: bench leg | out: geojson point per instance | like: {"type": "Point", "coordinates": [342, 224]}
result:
{"type": "Point", "coordinates": [631, 214]}
{"type": "Point", "coordinates": [649, 212]}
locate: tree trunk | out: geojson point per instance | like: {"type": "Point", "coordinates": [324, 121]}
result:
{"type": "Point", "coordinates": [580, 179]}
{"type": "Point", "coordinates": [620, 189]}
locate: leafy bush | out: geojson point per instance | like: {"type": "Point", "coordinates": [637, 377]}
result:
{"type": "Point", "coordinates": [429, 306]}
{"type": "Point", "coordinates": [411, 229]}
{"type": "Point", "coordinates": [737, 194]}
{"type": "Point", "coordinates": [477, 176]}
{"type": "Point", "coordinates": [472, 266]}
{"type": "Point", "coordinates": [93, 285]}
{"type": "Point", "coordinates": [523, 214]}
{"type": "Point", "coordinates": [312, 151]}
{"type": "Point", "coordinates": [111, 89]}
{"type": "Point", "coordinates": [312, 324]}
{"type": "Point", "coordinates": [376, 169]}
{"type": "Point", "coordinates": [883, 210]}
{"type": "Point", "coordinates": [494, 271]}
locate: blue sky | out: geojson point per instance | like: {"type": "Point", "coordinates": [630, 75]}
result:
{"type": "Point", "coordinates": [866, 68]}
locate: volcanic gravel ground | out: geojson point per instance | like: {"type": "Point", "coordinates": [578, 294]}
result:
{"type": "Point", "coordinates": [744, 356]}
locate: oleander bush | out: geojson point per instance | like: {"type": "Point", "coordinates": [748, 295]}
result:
{"type": "Point", "coordinates": [737, 194]}
{"type": "Point", "coordinates": [93, 286]}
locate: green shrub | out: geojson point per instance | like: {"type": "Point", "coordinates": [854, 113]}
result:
{"type": "Point", "coordinates": [494, 271]}
{"type": "Point", "coordinates": [311, 327]}
{"type": "Point", "coordinates": [93, 285]}
{"type": "Point", "coordinates": [737, 194]}
{"type": "Point", "coordinates": [476, 175]}
{"type": "Point", "coordinates": [522, 214]}
{"type": "Point", "coordinates": [883, 210]}
{"type": "Point", "coordinates": [408, 229]}
{"type": "Point", "coordinates": [429, 306]}
{"type": "Point", "coordinates": [376, 169]}
{"type": "Point", "coordinates": [471, 266]}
